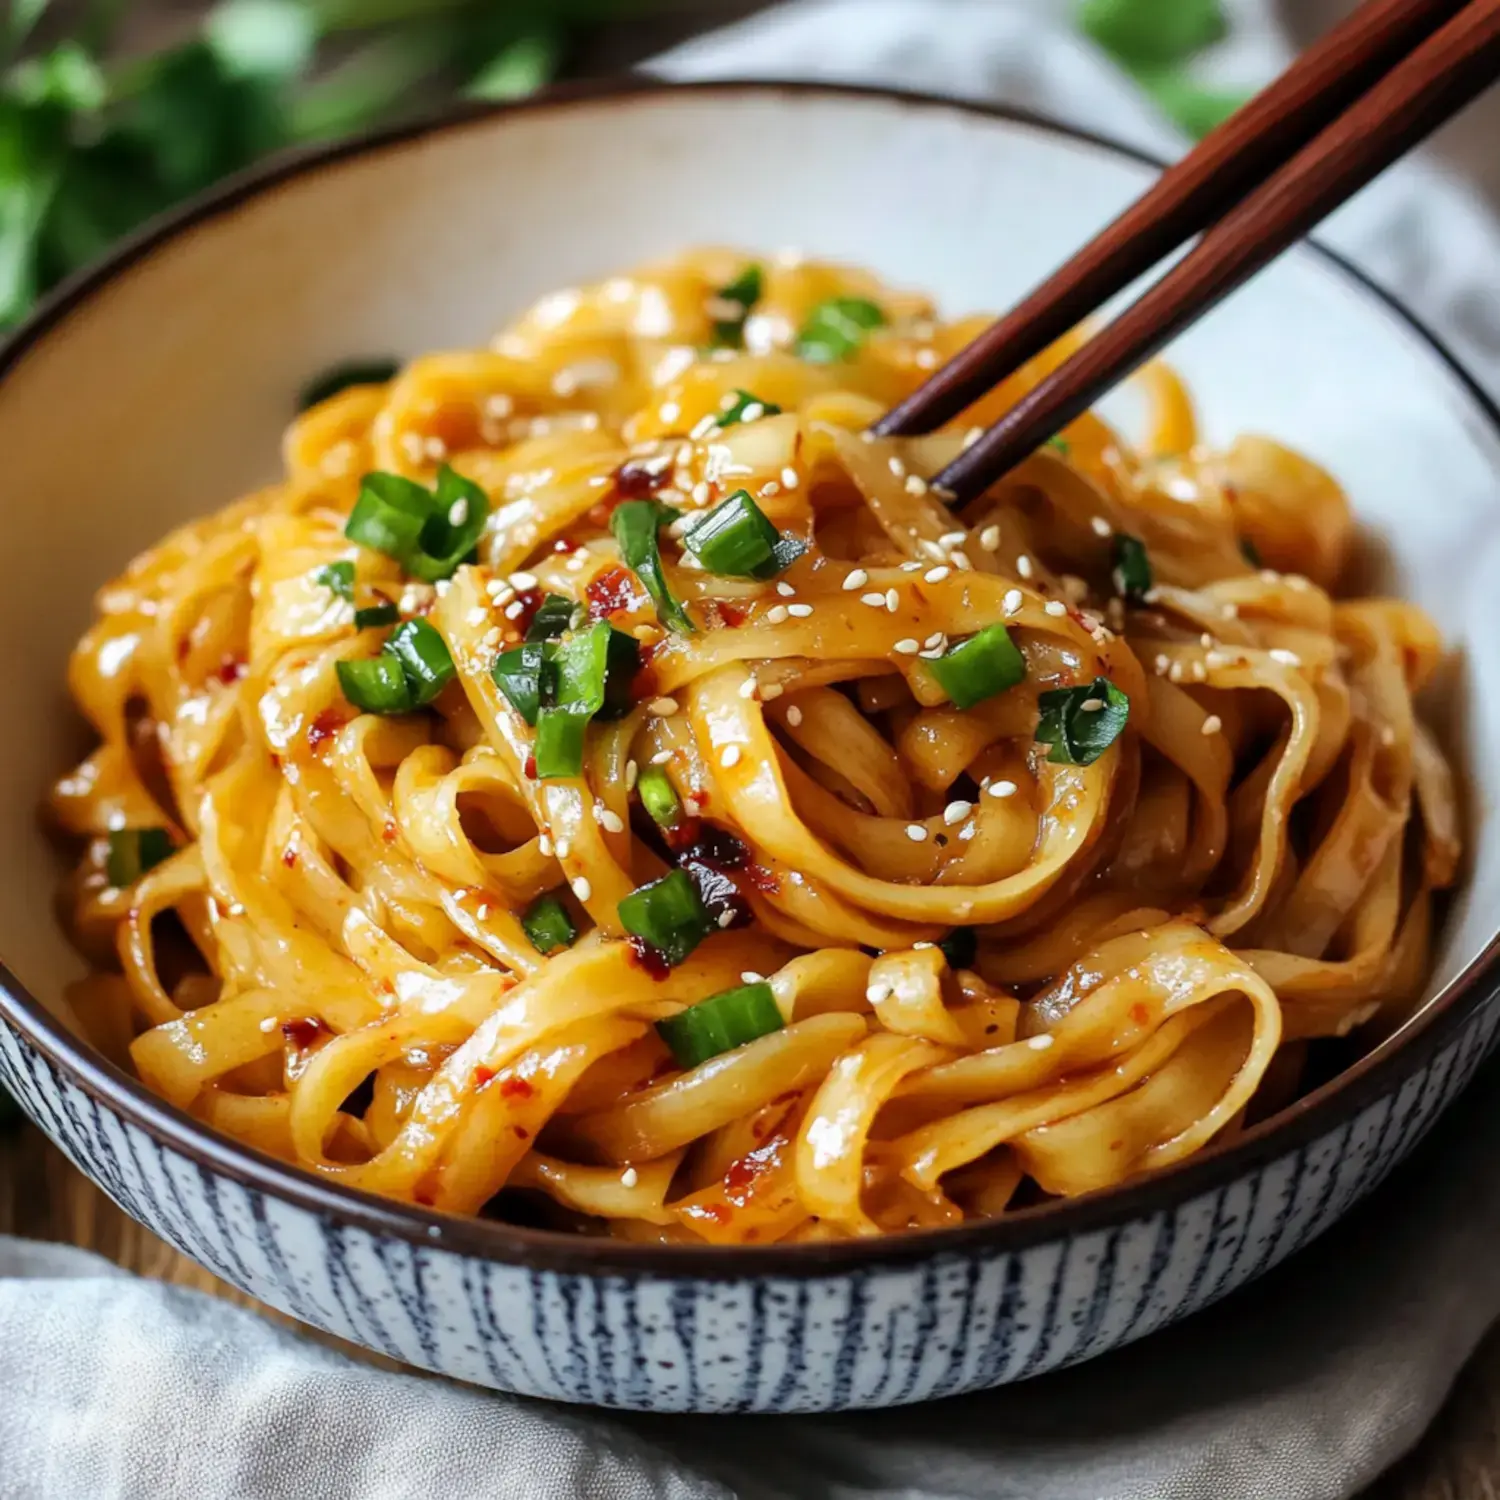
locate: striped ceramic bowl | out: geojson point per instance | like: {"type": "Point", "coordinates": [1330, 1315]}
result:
{"type": "Point", "coordinates": [157, 385]}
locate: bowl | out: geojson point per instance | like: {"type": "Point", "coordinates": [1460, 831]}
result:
{"type": "Point", "coordinates": [155, 388]}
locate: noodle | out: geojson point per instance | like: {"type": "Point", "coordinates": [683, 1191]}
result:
{"type": "Point", "coordinates": [600, 782]}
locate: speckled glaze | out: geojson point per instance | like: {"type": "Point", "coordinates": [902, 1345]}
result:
{"type": "Point", "coordinates": [218, 315]}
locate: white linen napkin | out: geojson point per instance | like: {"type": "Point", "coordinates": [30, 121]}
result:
{"type": "Point", "coordinates": [1304, 1387]}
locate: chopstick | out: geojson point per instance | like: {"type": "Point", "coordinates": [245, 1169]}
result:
{"type": "Point", "coordinates": [1447, 69]}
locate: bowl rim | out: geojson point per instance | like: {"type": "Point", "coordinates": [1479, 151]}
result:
{"type": "Point", "coordinates": [1379, 1073]}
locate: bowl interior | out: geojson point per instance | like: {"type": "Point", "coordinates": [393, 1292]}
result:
{"type": "Point", "coordinates": [160, 391]}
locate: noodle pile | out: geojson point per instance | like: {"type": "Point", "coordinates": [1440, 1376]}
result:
{"type": "Point", "coordinates": [1038, 944]}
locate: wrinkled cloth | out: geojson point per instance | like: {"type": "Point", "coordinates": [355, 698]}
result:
{"type": "Point", "coordinates": [1303, 1387]}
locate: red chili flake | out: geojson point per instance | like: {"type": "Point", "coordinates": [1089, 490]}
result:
{"type": "Point", "coordinates": [652, 960]}
{"type": "Point", "coordinates": [614, 591]}
{"type": "Point", "coordinates": [530, 601]}
{"type": "Point", "coordinates": [1140, 1013]}
{"type": "Point", "coordinates": [724, 615]}
{"type": "Point", "coordinates": [231, 669]}
{"type": "Point", "coordinates": [482, 1075]}
{"type": "Point", "coordinates": [520, 1132]}
{"type": "Point", "coordinates": [740, 1175]}
{"type": "Point", "coordinates": [302, 1033]}
{"type": "Point", "coordinates": [325, 727]}
{"type": "Point", "coordinates": [530, 768]}
{"type": "Point", "coordinates": [681, 836]}
{"type": "Point", "coordinates": [390, 833]}
{"type": "Point", "coordinates": [289, 858]}
{"type": "Point", "coordinates": [635, 480]}
{"type": "Point", "coordinates": [763, 880]}
{"type": "Point", "coordinates": [516, 1088]}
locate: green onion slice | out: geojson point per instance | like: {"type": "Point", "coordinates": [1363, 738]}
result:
{"type": "Point", "coordinates": [745, 290]}
{"type": "Point", "coordinates": [659, 797]}
{"type": "Point", "coordinates": [424, 657]}
{"type": "Point", "coordinates": [1060, 444]}
{"type": "Point", "coordinates": [721, 1023]}
{"type": "Point", "coordinates": [737, 540]}
{"type": "Point", "coordinates": [1081, 723]}
{"type": "Point", "coordinates": [429, 532]}
{"type": "Point", "coordinates": [376, 614]}
{"type": "Point", "coordinates": [836, 329]}
{"type": "Point", "coordinates": [980, 667]}
{"type": "Point", "coordinates": [338, 578]}
{"type": "Point", "coordinates": [635, 524]}
{"type": "Point", "coordinates": [133, 851]}
{"type": "Point", "coordinates": [377, 685]}
{"type": "Point", "coordinates": [746, 407]}
{"type": "Point", "coordinates": [669, 915]}
{"type": "Point", "coordinates": [548, 925]}
{"type": "Point", "coordinates": [1132, 567]}
{"type": "Point", "coordinates": [389, 515]}
{"type": "Point", "coordinates": [518, 674]}
{"type": "Point", "coordinates": [559, 743]}
{"type": "Point", "coordinates": [553, 617]}
{"type": "Point", "coordinates": [338, 378]}
{"type": "Point", "coordinates": [576, 689]}
{"type": "Point", "coordinates": [960, 948]}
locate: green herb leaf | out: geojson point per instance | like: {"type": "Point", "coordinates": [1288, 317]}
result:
{"type": "Point", "coordinates": [1081, 723]}
{"type": "Point", "coordinates": [721, 1023]}
{"type": "Point", "coordinates": [424, 657]}
{"type": "Point", "coordinates": [741, 295]}
{"type": "Point", "coordinates": [836, 329]}
{"type": "Point", "coordinates": [339, 577]}
{"type": "Point", "coordinates": [659, 797]}
{"type": "Point", "coordinates": [737, 540]}
{"type": "Point", "coordinates": [429, 534]}
{"type": "Point", "coordinates": [376, 685]}
{"type": "Point", "coordinates": [375, 616]}
{"type": "Point", "coordinates": [134, 851]}
{"type": "Point", "coordinates": [980, 667]}
{"type": "Point", "coordinates": [548, 925]}
{"type": "Point", "coordinates": [518, 674]}
{"type": "Point", "coordinates": [669, 915]}
{"type": "Point", "coordinates": [1132, 567]}
{"type": "Point", "coordinates": [529, 63]}
{"type": "Point", "coordinates": [1152, 32]}
{"type": "Point", "coordinates": [635, 524]}
{"type": "Point", "coordinates": [552, 619]}
{"type": "Point", "coordinates": [339, 378]}
{"type": "Point", "coordinates": [745, 407]}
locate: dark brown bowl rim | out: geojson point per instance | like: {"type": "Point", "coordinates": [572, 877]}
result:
{"type": "Point", "coordinates": [1376, 1075]}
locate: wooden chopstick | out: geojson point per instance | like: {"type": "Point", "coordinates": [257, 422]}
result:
{"type": "Point", "coordinates": [1443, 74]}
{"type": "Point", "coordinates": [1185, 200]}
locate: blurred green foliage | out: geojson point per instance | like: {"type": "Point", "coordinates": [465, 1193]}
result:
{"type": "Point", "coordinates": [92, 146]}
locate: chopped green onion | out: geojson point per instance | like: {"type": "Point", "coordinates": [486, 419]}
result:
{"type": "Point", "coordinates": [580, 669]}
{"type": "Point", "coordinates": [554, 615]}
{"type": "Point", "coordinates": [338, 578]}
{"type": "Point", "coordinates": [377, 685]}
{"type": "Point", "coordinates": [836, 329]}
{"type": "Point", "coordinates": [133, 851]}
{"type": "Point", "coordinates": [669, 915]}
{"type": "Point", "coordinates": [376, 614]}
{"type": "Point", "coordinates": [978, 668]}
{"type": "Point", "coordinates": [1250, 552]}
{"type": "Point", "coordinates": [735, 539]}
{"type": "Point", "coordinates": [1060, 444]}
{"type": "Point", "coordinates": [1081, 723]}
{"type": "Point", "coordinates": [340, 377]}
{"type": "Point", "coordinates": [635, 525]}
{"type": "Point", "coordinates": [430, 533]}
{"type": "Point", "coordinates": [1132, 569]}
{"type": "Point", "coordinates": [744, 402]}
{"type": "Point", "coordinates": [1152, 33]}
{"type": "Point", "coordinates": [518, 674]}
{"type": "Point", "coordinates": [721, 1023]}
{"type": "Point", "coordinates": [622, 662]}
{"type": "Point", "coordinates": [960, 947]}
{"type": "Point", "coordinates": [559, 743]}
{"type": "Point", "coordinates": [548, 925]}
{"type": "Point", "coordinates": [424, 657]}
{"type": "Point", "coordinates": [745, 290]}
{"type": "Point", "coordinates": [659, 797]}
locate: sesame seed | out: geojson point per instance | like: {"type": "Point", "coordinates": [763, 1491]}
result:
{"type": "Point", "coordinates": [270, 1023]}
{"type": "Point", "coordinates": [1100, 526]}
{"type": "Point", "coordinates": [1040, 1043]}
{"type": "Point", "coordinates": [897, 467]}
{"type": "Point", "coordinates": [875, 601]}
{"type": "Point", "coordinates": [1002, 789]}
{"type": "Point", "coordinates": [669, 411]}
{"type": "Point", "coordinates": [936, 575]}
{"type": "Point", "coordinates": [912, 567]}
{"type": "Point", "coordinates": [1387, 736]}
{"type": "Point", "coordinates": [726, 917]}
{"type": "Point", "coordinates": [777, 614]}
{"type": "Point", "coordinates": [702, 427]}
{"type": "Point", "coordinates": [789, 478]}
{"type": "Point", "coordinates": [989, 539]}
{"type": "Point", "coordinates": [522, 581]}
{"type": "Point", "coordinates": [665, 707]}
{"type": "Point", "coordinates": [771, 691]}
{"type": "Point", "coordinates": [856, 580]}
{"type": "Point", "coordinates": [915, 485]}
{"type": "Point", "coordinates": [934, 550]}
{"type": "Point", "coordinates": [1091, 705]}
{"type": "Point", "coordinates": [1205, 640]}
{"type": "Point", "coordinates": [1174, 672]}
{"type": "Point", "coordinates": [582, 889]}
{"type": "Point", "coordinates": [956, 811]}
{"type": "Point", "coordinates": [953, 538]}
{"type": "Point", "coordinates": [1055, 607]}
{"type": "Point", "coordinates": [892, 600]}
{"type": "Point", "coordinates": [769, 490]}
{"type": "Point", "coordinates": [1230, 611]}
{"type": "Point", "coordinates": [515, 610]}
{"type": "Point", "coordinates": [564, 848]}
{"type": "Point", "coordinates": [753, 412]}
{"type": "Point", "coordinates": [629, 1177]}
{"type": "Point", "coordinates": [1161, 664]}
{"type": "Point", "coordinates": [483, 911]}
{"type": "Point", "coordinates": [476, 616]}
{"type": "Point", "coordinates": [691, 806]}
{"type": "Point", "coordinates": [1286, 658]}
{"type": "Point", "coordinates": [1212, 724]}
{"type": "Point", "coordinates": [701, 492]}
{"type": "Point", "coordinates": [544, 846]}
{"type": "Point", "coordinates": [662, 757]}
{"type": "Point", "coordinates": [799, 611]}
{"type": "Point", "coordinates": [611, 822]}
{"type": "Point", "coordinates": [907, 647]}
{"type": "Point", "coordinates": [916, 832]}
{"type": "Point", "coordinates": [458, 512]}
{"type": "Point", "coordinates": [935, 639]}
{"type": "Point", "coordinates": [878, 991]}
{"type": "Point", "coordinates": [1200, 672]}
{"type": "Point", "coordinates": [632, 774]}
{"type": "Point", "coordinates": [747, 688]}
{"type": "Point", "coordinates": [1217, 659]}
{"type": "Point", "coordinates": [730, 757]}
{"type": "Point", "coordinates": [960, 560]}
{"type": "Point", "coordinates": [1023, 566]}
{"type": "Point", "coordinates": [785, 589]}
{"type": "Point", "coordinates": [1012, 601]}
{"type": "Point", "coordinates": [751, 977]}
{"type": "Point", "coordinates": [794, 716]}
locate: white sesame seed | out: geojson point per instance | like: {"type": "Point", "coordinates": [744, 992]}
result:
{"type": "Point", "coordinates": [1230, 611]}
{"type": "Point", "coordinates": [878, 991]}
{"type": "Point", "coordinates": [701, 492]}
{"type": "Point", "coordinates": [892, 600]}
{"type": "Point", "coordinates": [1091, 705]}
{"type": "Point", "coordinates": [907, 647]}
{"type": "Point", "coordinates": [935, 550]}
{"type": "Point", "coordinates": [1023, 566]}
{"type": "Point", "coordinates": [1055, 607]}
{"type": "Point", "coordinates": [270, 1023]}
{"type": "Point", "coordinates": [1175, 672]}
{"type": "Point", "coordinates": [1387, 736]}
{"type": "Point", "coordinates": [956, 811]}
{"type": "Point", "coordinates": [936, 575]}
{"type": "Point", "coordinates": [564, 848]}
{"type": "Point", "coordinates": [799, 611]}
{"type": "Point", "coordinates": [703, 426]}
{"type": "Point", "coordinates": [1161, 663]}
{"type": "Point", "coordinates": [753, 412]}
{"type": "Point", "coordinates": [665, 707]}
{"type": "Point", "coordinates": [915, 485]}
{"type": "Point", "coordinates": [989, 539]}
{"type": "Point", "coordinates": [1100, 526]}
{"type": "Point", "coordinates": [582, 889]}
{"type": "Point", "coordinates": [483, 911]}
{"type": "Point", "coordinates": [789, 478]}
{"type": "Point", "coordinates": [912, 567]}
{"type": "Point", "coordinates": [730, 757]}
{"type": "Point", "coordinates": [515, 610]}
{"type": "Point", "coordinates": [747, 688]}
{"type": "Point", "coordinates": [916, 832]}
{"type": "Point", "coordinates": [1002, 789]}
{"type": "Point", "coordinates": [856, 580]}
{"type": "Point", "coordinates": [1040, 1043]}
{"type": "Point", "coordinates": [786, 590]}
{"type": "Point", "coordinates": [1212, 724]}
{"type": "Point", "coordinates": [953, 538]}
{"type": "Point", "coordinates": [771, 691]}
{"type": "Point", "coordinates": [629, 1177]}
{"type": "Point", "coordinates": [669, 411]}
{"type": "Point", "coordinates": [544, 846]}
{"type": "Point", "coordinates": [1286, 658]}
{"type": "Point", "coordinates": [691, 806]}
{"type": "Point", "coordinates": [726, 917]}
{"type": "Point", "coordinates": [662, 757]}
{"type": "Point", "coordinates": [875, 601]}
{"type": "Point", "coordinates": [611, 822]}
{"type": "Point", "coordinates": [897, 467]}
{"type": "Point", "coordinates": [476, 616]}
{"type": "Point", "coordinates": [769, 490]}
{"type": "Point", "coordinates": [794, 716]}
{"type": "Point", "coordinates": [777, 614]}
{"type": "Point", "coordinates": [1217, 659]}
{"type": "Point", "coordinates": [521, 581]}
{"type": "Point", "coordinates": [632, 775]}
{"type": "Point", "coordinates": [935, 639]}
{"type": "Point", "coordinates": [458, 512]}
{"type": "Point", "coordinates": [1012, 601]}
